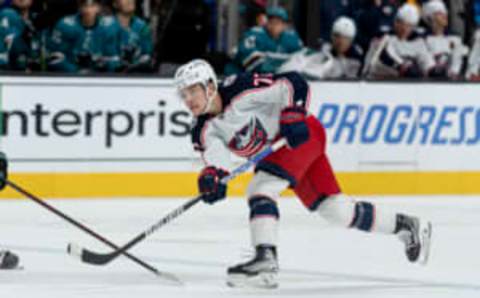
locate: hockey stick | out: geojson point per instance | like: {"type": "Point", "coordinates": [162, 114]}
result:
{"type": "Point", "coordinates": [94, 258]}
{"type": "Point", "coordinates": [89, 231]}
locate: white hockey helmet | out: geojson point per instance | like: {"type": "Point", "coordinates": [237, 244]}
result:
{"type": "Point", "coordinates": [432, 7]}
{"type": "Point", "coordinates": [197, 71]}
{"type": "Point", "coordinates": [344, 26]}
{"type": "Point", "coordinates": [408, 13]}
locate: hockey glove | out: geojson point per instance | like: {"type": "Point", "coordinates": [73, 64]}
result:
{"type": "Point", "coordinates": [8, 260]}
{"type": "Point", "coordinates": [293, 126]}
{"type": "Point", "coordinates": [210, 186]}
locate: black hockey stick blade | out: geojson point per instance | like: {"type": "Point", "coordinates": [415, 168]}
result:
{"type": "Point", "coordinates": [94, 258]}
{"type": "Point", "coordinates": [98, 259]}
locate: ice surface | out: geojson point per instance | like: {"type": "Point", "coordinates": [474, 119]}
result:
{"type": "Point", "coordinates": [316, 260]}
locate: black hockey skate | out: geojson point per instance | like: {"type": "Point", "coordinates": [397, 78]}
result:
{"type": "Point", "coordinates": [416, 234]}
{"type": "Point", "coordinates": [8, 260]}
{"type": "Point", "coordinates": [260, 272]}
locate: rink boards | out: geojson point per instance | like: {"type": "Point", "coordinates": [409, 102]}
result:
{"type": "Point", "coordinates": [90, 137]}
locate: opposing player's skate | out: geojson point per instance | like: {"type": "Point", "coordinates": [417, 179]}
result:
{"type": "Point", "coordinates": [416, 234]}
{"type": "Point", "coordinates": [8, 260]}
{"type": "Point", "coordinates": [260, 272]}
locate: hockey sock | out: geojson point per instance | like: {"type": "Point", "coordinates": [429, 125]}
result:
{"type": "Point", "coordinates": [264, 217]}
{"type": "Point", "coordinates": [343, 211]}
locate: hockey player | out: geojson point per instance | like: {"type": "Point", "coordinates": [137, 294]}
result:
{"type": "Point", "coordinates": [264, 49]}
{"type": "Point", "coordinates": [8, 260]}
{"type": "Point", "coordinates": [339, 59]}
{"type": "Point", "coordinates": [6, 39]}
{"type": "Point", "coordinates": [446, 48]}
{"type": "Point", "coordinates": [244, 114]}
{"type": "Point", "coordinates": [85, 42]}
{"type": "Point", "coordinates": [25, 40]}
{"type": "Point", "coordinates": [401, 53]}
{"type": "Point", "coordinates": [136, 43]}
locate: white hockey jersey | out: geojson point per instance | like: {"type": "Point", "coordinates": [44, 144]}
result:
{"type": "Point", "coordinates": [252, 104]}
{"type": "Point", "coordinates": [389, 52]}
{"type": "Point", "coordinates": [326, 64]}
{"type": "Point", "coordinates": [473, 69]}
{"type": "Point", "coordinates": [448, 52]}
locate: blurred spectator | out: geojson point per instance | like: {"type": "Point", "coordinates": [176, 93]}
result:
{"type": "Point", "coordinates": [24, 41]}
{"type": "Point", "coordinates": [136, 42]}
{"type": "Point", "coordinates": [264, 49]}
{"type": "Point", "coordinates": [446, 48]}
{"type": "Point", "coordinates": [339, 59]}
{"type": "Point", "coordinates": [6, 40]}
{"type": "Point", "coordinates": [401, 53]}
{"type": "Point", "coordinates": [85, 42]}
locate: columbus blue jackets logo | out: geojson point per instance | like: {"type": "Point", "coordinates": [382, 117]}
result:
{"type": "Point", "coordinates": [249, 140]}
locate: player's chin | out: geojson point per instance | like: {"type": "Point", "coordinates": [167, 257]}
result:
{"type": "Point", "coordinates": [196, 111]}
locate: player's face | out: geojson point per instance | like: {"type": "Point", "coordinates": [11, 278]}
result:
{"type": "Point", "coordinates": [440, 19]}
{"type": "Point", "coordinates": [403, 29]}
{"type": "Point", "coordinates": [195, 97]}
{"type": "Point", "coordinates": [341, 44]}
{"type": "Point", "coordinates": [125, 6]}
{"type": "Point", "coordinates": [276, 26]}
{"type": "Point", "coordinates": [22, 4]}
{"type": "Point", "coordinates": [90, 11]}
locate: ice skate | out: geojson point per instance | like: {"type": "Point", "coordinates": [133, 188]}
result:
{"type": "Point", "coordinates": [260, 272]}
{"type": "Point", "coordinates": [416, 234]}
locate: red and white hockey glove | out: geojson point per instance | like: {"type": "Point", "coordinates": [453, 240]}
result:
{"type": "Point", "coordinates": [210, 186]}
{"type": "Point", "coordinates": [293, 126]}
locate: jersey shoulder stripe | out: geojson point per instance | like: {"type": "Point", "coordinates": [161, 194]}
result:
{"type": "Point", "coordinates": [234, 85]}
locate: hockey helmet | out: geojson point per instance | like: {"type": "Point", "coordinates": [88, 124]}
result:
{"type": "Point", "coordinates": [197, 71]}
{"type": "Point", "coordinates": [408, 13]}
{"type": "Point", "coordinates": [432, 7]}
{"type": "Point", "coordinates": [344, 26]}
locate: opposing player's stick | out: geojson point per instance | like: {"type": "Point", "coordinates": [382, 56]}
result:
{"type": "Point", "coordinates": [94, 258]}
{"type": "Point", "coordinates": [89, 231]}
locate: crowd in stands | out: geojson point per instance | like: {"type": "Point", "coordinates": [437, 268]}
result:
{"type": "Point", "coordinates": [372, 39]}
{"type": "Point", "coordinates": [379, 40]}
{"type": "Point", "coordinates": [85, 42]}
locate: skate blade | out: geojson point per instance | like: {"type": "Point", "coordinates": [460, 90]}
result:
{"type": "Point", "coordinates": [425, 242]}
{"type": "Point", "coordinates": [260, 281]}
